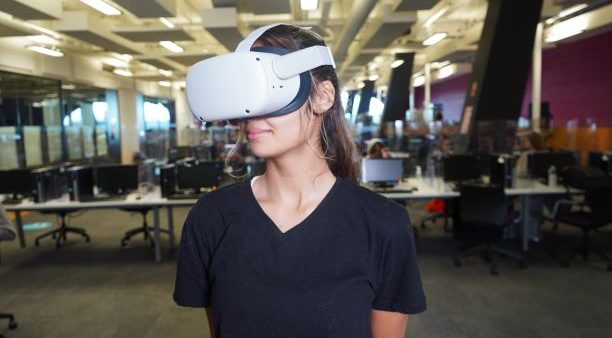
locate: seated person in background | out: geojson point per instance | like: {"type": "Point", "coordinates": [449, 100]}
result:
{"type": "Point", "coordinates": [377, 149]}
{"type": "Point", "coordinates": [527, 145]}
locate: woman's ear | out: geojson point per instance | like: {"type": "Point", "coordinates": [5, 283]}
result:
{"type": "Point", "coordinates": [324, 97]}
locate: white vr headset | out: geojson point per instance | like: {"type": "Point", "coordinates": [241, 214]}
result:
{"type": "Point", "coordinates": [265, 82]}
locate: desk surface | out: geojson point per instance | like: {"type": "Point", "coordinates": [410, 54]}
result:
{"type": "Point", "coordinates": [425, 189]}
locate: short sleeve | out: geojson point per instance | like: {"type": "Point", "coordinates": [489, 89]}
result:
{"type": "Point", "coordinates": [192, 286]}
{"type": "Point", "coordinates": [399, 280]}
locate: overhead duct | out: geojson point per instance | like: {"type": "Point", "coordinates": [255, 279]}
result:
{"type": "Point", "coordinates": [415, 5]}
{"type": "Point", "coordinates": [189, 60]}
{"type": "Point", "coordinates": [270, 7]}
{"type": "Point", "coordinates": [32, 9]}
{"type": "Point", "coordinates": [90, 29]}
{"type": "Point", "coordinates": [149, 8]}
{"type": "Point", "coordinates": [154, 34]}
{"type": "Point", "coordinates": [359, 14]}
{"type": "Point", "coordinates": [222, 23]}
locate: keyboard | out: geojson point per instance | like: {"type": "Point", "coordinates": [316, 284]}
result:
{"type": "Point", "coordinates": [183, 196]}
{"type": "Point", "coordinates": [101, 198]}
{"type": "Point", "coordinates": [11, 201]}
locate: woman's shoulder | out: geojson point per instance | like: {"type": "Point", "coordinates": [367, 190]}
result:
{"type": "Point", "coordinates": [368, 200]}
{"type": "Point", "coordinates": [223, 197]}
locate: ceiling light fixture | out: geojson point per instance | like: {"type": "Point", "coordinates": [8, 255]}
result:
{"type": "Point", "coordinates": [165, 83]}
{"type": "Point", "coordinates": [102, 7]}
{"type": "Point", "coordinates": [165, 72]}
{"type": "Point", "coordinates": [373, 77]}
{"type": "Point", "coordinates": [446, 71]}
{"type": "Point", "coordinates": [116, 63]}
{"type": "Point", "coordinates": [309, 5]}
{"type": "Point", "coordinates": [171, 46]}
{"type": "Point", "coordinates": [56, 53]}
{"type": "Point", "coordinates": [167, 22]}
{"type": "Point", "coordinates": [565, 29]}
{"type": "Point", "coordinates": [123, 72]}
{"type": "Point", "coordinates": [572, 10]}
{"type": "Point", "coordinates": [397, 63]}
{"type": "Point", "coordinates": [43, 39]}
{"type": "Point", "coordinates": [435, 38]}
{"type": "Point", "coordinates": [436, 16]}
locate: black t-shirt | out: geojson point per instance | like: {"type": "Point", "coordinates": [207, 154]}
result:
{"type": "Point", "coordinates": [354, 253]}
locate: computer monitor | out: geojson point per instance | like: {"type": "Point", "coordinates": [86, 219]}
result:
{"type": "Point", "coordinates": [601, 160]}
{"type": "Point", "coordinates": [116, 179]}
{"type": "Point", "coordinates": [539, 163]}
{"type": "Point", "coordinates": [199, 175]}
{"type": "Point", "coordinates": [382, 171]}
{"type": "Point", "coordinates": [180, 152]}
{"type": "Point", "coordinates": [17, 182]}
{"type": "Point", "coordinates": [461, 167]}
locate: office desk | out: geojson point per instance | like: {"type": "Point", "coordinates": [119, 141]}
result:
{"type": "Point", "coordinates": [523, 189]}
{"type": "Point", "coordinates": [152, 200]}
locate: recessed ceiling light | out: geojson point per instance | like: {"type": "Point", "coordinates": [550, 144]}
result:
{"type": "Point", "coordinates": [171, 46]}
{"type": "Point", "coordinates": [46, 51]}
{"type": "Point", "coordinates": [572, 10]}
{"type": "Point", "coordinates": [309, 5]}
{"type": "Point", "coordinates": [435, 38]}
{"type": "Point", "coordinates": [436, 16]}
{"type": "Point", "coordinates": [165, 83]}
{"type": "Point", "coordinates": [397, 63]}
{"type": "Point", "coordinates": [102, 7]}
{"type": "Point", "coordinates": [167, 22]}
{"type": "Point", "coordinates": [165, 72]}
{"type": "Point", "coordinates": [123, 72]}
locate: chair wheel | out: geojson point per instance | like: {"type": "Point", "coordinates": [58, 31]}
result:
{"type": "Point", "coordinates": [12, 325]}
{"type": "Point", "coordinates": [457, 262]}
{"type": "Point", "coordinates": [87, 239]}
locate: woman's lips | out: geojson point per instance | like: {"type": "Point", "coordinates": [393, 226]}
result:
{"type": "Point", "coordinates": [256, 134]}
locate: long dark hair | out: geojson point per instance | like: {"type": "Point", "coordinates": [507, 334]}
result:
{"type": "Point", "coordinates": [336, 141]}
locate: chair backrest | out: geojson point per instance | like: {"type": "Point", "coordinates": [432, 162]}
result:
{"type": "Point", "coordinates": [484, 205]}
{"type": "Point", "coordinates": [7, 231]}
{"type": "Point", "coordinates": [598, 201]}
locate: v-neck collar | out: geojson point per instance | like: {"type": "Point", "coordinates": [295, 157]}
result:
{"type": "Point", "coordinates": [296, 228]}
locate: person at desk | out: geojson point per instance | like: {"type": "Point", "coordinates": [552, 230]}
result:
{"type": "Point", "coordinates": [301, 250]}
{"type": "Point", "coordinates": [527, 145]}
{"type": "Point", "coordinates": [377, 149]}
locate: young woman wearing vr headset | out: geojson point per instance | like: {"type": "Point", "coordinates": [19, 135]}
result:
{"type": "Point", "coordinates": [302, 250]}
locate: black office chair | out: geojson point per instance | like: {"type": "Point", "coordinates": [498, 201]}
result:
{"type": "Point", "coordinates": [591, 215]}
{"type": "Point", "coordinates": [144, 229]}
{"type": "Point", "coordinates": [483, 215]}
{"type": "Point", "coordinates": [7, 233]}
{"type": "Point", "coordinates": [61, 233]}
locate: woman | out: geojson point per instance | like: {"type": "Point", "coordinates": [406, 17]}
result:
{"type": "Point", "coordinates": [300, 251]}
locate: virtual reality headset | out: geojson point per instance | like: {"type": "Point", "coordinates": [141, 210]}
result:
{"type": "Point", "coordinates": [258, 83]}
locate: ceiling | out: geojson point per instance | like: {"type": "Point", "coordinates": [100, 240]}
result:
{"type": "Point", "coordinates": [363, 34]}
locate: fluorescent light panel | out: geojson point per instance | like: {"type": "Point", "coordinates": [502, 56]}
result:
{"type": "Point", "coordinates": [373, 77]}
{"type": "Point", "coordinates": [572, 10]}
{"type": "Point", "coordinates": [171, 46]}
{"type": "Point", "coordinates": [46, 51]}
{"type": "Point", "coordinates": [165, 72]}
{"type": "Point", "coordinates": [419, 81]}
{"type": "Point", "coordinates": [123, 72]}
{"type": "Point", "coordinates": [565, 29]}
{"type": "Point", "coordinates": [309, 5]}
{"type": "Point", "coordinates": [435, 17]}
{"type": "Point", "coordinates": [397, 63]}
{"type": "Point", "coordinates": [167, 22]}
{"type": "Point", "coordinates": [165, 83]}
{"type": "Point", "coordinates": [102, 6]}
{"type": "Point", "coordinates": [446, 71]}
{"type": "Point", "coordinates": [116, 63]}
{"type": "Point", "coordinates": [435, 38]}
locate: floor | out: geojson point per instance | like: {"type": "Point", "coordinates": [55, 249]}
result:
{"type": "Point", "coordinates": [98, 289]}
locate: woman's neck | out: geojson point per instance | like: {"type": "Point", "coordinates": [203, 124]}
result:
{"type": "Point", "coordinates": [296, 174]}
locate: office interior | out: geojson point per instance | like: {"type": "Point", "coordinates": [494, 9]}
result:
{"type": "Point", "coordinates": [489, 120]}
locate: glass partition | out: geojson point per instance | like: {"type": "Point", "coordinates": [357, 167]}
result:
{"type": "Point", "coordinates": [159, 127]}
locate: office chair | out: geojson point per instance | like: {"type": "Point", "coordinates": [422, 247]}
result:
{"type": "Point", "coordinates": [144, 228]}
{"type": "Point", "coordinates": [61, 233]}
{"type": "Point", "coordinates": [483, 215]}
{"type": "Point", "coordinates": [436, 214]}
{"type": "Point", "coordinates": [591, 215]}
{"type": "Point", "coordinates": [7, 233]}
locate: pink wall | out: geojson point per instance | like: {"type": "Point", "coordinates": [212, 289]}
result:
{"type": "Point", "coordinates": [450, 93]}
{"type": "Point", "coordinates": [576, 81]}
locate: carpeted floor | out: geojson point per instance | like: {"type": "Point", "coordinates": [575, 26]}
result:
{"type": "Point", "coordinates": [98, 289]}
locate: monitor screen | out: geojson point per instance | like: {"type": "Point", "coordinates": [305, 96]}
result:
{"type": "Point", "coordinates": [116, 179]}
{"type": "Point", "coordinates": [539, 163]}
{"type": "Point", "coordinates": [199, 175]}
{"type": "Point", "coordinates": [382, 170]}
{"type": "Point", "coordinates": [459, 168]}
{"type": "Point", "coordinates": [17, 181]}
{"type": "Point", "coordinates": [180, 152]}
{"type": "Point", "coordinates": [601, 160]}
